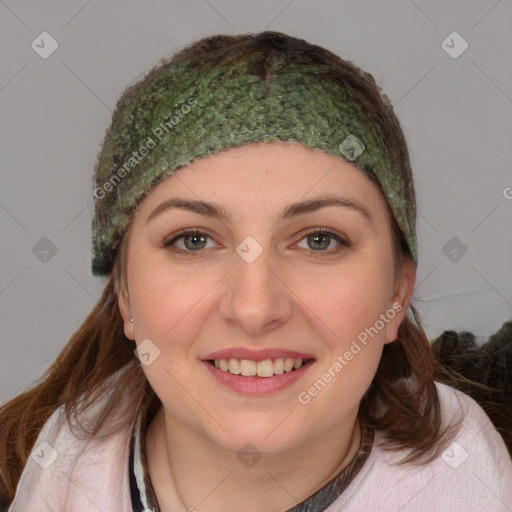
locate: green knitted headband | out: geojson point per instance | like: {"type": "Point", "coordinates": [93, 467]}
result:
{"type": "Point", "coordinates": [188, 112]}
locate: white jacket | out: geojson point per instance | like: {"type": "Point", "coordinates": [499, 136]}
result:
{"type": "Point", "coordinates": [65, 474]}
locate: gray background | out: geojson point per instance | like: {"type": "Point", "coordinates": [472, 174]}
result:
{"type": "Point", "coordinates": [456, 114]}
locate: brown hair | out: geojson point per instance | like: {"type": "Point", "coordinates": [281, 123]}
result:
{"type": "Point", "coordinates": [99, 347]}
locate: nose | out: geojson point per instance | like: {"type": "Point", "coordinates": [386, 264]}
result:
{"type": "Point", "coordinates": [256, 298]}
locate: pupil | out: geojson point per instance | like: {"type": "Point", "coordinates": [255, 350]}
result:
{"type": "Point", "coordinates": [194, 237]}
{"type": "Point", "coordinates": [316, 237]}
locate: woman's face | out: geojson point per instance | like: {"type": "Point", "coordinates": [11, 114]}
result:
{"type": "Point", "coordinates": [273, 278]}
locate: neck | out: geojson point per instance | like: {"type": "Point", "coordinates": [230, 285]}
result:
{"type": "Point", "coordinates": [189, 472]}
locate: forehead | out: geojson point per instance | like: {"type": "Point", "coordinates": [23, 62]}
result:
{"type": "Point", "coordinates": [269, 173]}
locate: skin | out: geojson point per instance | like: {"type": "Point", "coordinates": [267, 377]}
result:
{"type": "Point", "coordinates": [313, 297]}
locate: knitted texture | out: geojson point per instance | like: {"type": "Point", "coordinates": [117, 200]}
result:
{"type": "Point", "coordinates": [188, 112]}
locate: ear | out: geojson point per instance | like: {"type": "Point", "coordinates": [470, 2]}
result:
{"type": "Point", "coordinates": [124, 309]}
{"type": "Point", "coordinates": [401, 298]}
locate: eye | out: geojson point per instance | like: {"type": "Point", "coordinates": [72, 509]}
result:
{"type": "Point", "coordinates": [193, 241]}
{"type": "Point", "coordinates": [319, 239]}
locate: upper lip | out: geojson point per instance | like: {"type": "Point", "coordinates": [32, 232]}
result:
{"type": "Point", "coordinates": [256, 355]}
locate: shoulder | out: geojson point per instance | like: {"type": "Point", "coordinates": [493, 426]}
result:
{"type": "Point", "coordinates": [65, 472]}
{"type": "Point", "coordinates": [472, 472]}
{"type": "Point", "coordinates": [476, 434]}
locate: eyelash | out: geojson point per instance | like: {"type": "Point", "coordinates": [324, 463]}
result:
{"type": "Point", "coordinates": [167, 243]}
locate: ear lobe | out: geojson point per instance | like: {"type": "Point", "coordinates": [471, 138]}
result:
{"type": "Point", "coordinates": [401, 298]}
{"type": "Point", "coordinates": [124, 311]}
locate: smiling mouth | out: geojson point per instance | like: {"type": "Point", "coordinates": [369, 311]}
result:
{"type": "Point", "coordinates": [263, 369]}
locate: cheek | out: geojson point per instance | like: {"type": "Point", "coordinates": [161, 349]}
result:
{"type": "Point", "coordinates": [347, 310]}
{"type": "Point", "coordinates": [167, 312]}
{"type": "Point", "coordinates": [354, 337]}
{"type": "Point", "coordinates": [347, 304]}
{"type": "Point", "coordinates": [164, 300]}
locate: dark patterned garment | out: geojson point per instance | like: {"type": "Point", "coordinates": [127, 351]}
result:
{"type": "Point", "coordinates": [143, 495]}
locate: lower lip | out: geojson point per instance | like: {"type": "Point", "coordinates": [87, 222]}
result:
{"type": "Point", "coordinates": [257, 385]}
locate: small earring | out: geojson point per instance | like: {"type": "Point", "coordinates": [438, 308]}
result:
{"type": "Point", "coordinates": [131, 320]}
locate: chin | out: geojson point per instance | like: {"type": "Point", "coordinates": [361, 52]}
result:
{"type": "Point", "coordinates": [263, 439]}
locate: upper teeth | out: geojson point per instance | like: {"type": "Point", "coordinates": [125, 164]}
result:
{"type": "Point", "coordinates": [265, 368]}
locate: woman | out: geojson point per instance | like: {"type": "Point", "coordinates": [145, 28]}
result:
{"type": "Point", "coordinates": [252, 348]}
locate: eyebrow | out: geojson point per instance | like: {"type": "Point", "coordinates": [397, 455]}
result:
{"type": "Point", "coordinates": [293, 210]}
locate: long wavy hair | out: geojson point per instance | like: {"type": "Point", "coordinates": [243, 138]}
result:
{"type": "Point", "coordinates": [99, 348]}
